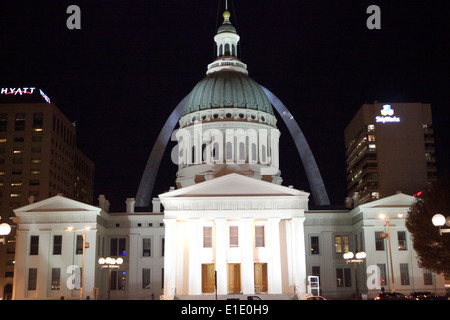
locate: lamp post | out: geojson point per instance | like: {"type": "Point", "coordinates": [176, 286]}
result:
{"type": "Point", "coordinates": [85, 245]}
{"type": "Point", "coordinates": [387, 235]}
{"type": "Point", "coordinates": [110, 263]}
{"type": "Point", "coordinates": [348, 256]}
{"type": "Point", "coordinates": [439, 220]}
{"type": "Point", "coordinates": [5, 229]}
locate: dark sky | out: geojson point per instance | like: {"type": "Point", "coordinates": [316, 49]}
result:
{"type": "Point", "coordinates": [123, 73]}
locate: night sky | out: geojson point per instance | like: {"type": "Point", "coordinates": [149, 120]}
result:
{"type": "Point", "coordinates": [121, 75]}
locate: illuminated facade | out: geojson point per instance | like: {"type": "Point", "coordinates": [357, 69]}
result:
{"type": "Point", "coordinates": [38, 159]}
{"type": "Point", "coordinates": [389, 148]}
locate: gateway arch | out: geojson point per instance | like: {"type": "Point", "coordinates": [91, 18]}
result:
{"type": "Point", "coordinates": [318, 190]}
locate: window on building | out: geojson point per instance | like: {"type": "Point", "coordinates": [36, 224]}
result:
{"type": "Point", "coordinates": [147, 247]}
{"type": "Point", "coordinates": [79, 248]}
{"type": "Point", "coordinates": [20, 122]}
{"type": "Point", "coordinates": [382, 274]}
{"type": "Point", "coordinates": [57, 244]}
{"type": "Point", "coordinates": [163, 244]}
{"type": "Point", "coordinates": [34, 245]}
{"type": "Point", "coordinates": [315, 245]}
{"type": "Point", "coordinates": [343, 277]}
{"type": "Point", "coordinates": [32, 278]}
{"type": "Point", "coordinates": [315, 271]}
{"type": "Point", "coordinates": [401, 235]}
{"type": "Point", "coordinates": [118, 280]}
{"type": "Point", "coordinates": [259, 236]}
{"type": "Point", "coordinates": [234, 237]}
{"type": "Point", "coordinates": [56, 279]}
{"type": "Point", "coordinates": [38, 121]}
{"type": "Point", "coordinates": [341, 243]}
{"type": "Point", "coordinates": [3, 122]}
{"type": "Point", "coordinates": [404, 274]}
{"type": "Point", "coordinates": [146, 279]}
{"type": "Point", "coordinates": [118, 247]}
{"type": "Point", "coordinates": [207, 237]}
{"type": "Point", "coordinates": [379, 241]}
{"type": "Point", "coordinates": [427, 277]}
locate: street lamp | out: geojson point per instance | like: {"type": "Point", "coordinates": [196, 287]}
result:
{"type": "Point", "coordinates": [85, 245]}
{"type": "Point", "coordinates": [348, 256]}
{"type": "Point", "coordinates": [5, 229]}
{"type": "Point", "coordinates": [439, 220]}
{"type": "Point", "coordinates": [110, 263]}
{"type": "Point", "coordinates": [387, 235]}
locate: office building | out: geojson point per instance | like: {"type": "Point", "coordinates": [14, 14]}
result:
{"type": "Point", "coordinates": [389, 148]}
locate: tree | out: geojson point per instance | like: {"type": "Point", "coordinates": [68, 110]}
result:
{"type": "Point", "coordinates": [432, 248]}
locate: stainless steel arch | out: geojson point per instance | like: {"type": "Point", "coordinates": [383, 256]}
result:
{"type": "Point", "coordinates": [316, 184]}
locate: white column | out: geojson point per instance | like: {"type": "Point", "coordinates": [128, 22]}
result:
{"type": "Point", "coordinates": [274, 267]}
{"type": "Point", "coordinates": [299, 256]}
{"type": "Point", "coordinates": [181, 274]}
{"type": "Point", "coordinates": [221, 255]}
{"type": "Point", "coordinates": [195, 245]}
{"type": "Point", "coordinates": [247, 266]}
{"type": "Point", "coordinates": [170, 258]}
{"type": "Point", "coordinates": [134, 285]}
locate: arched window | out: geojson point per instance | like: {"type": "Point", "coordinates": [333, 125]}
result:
{"type": "Point", "coordinates": [229, 151]}
{"type": "Point", "coordinates": [203, 152]}
{"type": "Point", "coordinates": [253, 151]}
{"type": "Point", "coordinates": [263, 154]}
{"type": "Point", "coordinates": [227, 49]}
{"type": "Point", "coordinates": [242, 151]}
{"type": "Point", "coordinates": [215, 151]}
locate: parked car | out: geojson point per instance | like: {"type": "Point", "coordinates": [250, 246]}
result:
{"type": "Point", "coordinates": [316, 298]}
{"type": "Point", "coordinates": [425, 296]}
{"type": "Point", "coordinates": [391, 296]}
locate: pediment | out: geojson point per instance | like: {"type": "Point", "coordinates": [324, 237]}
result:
{"type": "Point", "coordinates": [234, 185]}
{"type": "Point", "coordinates": [57, 204]}
{"type": "Point", "coordinates": [396, 200]}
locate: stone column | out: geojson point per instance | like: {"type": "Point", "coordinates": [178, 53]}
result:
{"type": "Point", "coordinates": [299, 256]}
{"type": "Point", "coordinates": [274, 267]}
{"type": "Point", "coordinates": [247, 266]}
{"type": "Point", "coordinates": [221, 255]}
{"type": "Point", "coordinates": [170, 260]}
{"type": "Point", "coordinates": [195, 245]}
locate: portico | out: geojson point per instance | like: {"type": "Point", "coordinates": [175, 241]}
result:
{"type": "Point", "coordinates": [246, 231]}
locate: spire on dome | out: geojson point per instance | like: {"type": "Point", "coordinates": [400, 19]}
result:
{"type": "Point", "coordinates": [227, 42]}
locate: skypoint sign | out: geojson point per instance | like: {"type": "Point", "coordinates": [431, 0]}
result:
{"type": "Point", "coordinates": [387, 115]}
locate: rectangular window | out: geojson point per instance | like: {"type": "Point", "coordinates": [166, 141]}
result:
{"type": "Point", "coordinates": [118, 247]}
{"type": "Point", "coordinates": [56, 278]}
{"type": "Point", "coordinates": [234, 237]}
{"type": "Point", "coordinates": [146, 247]}
{"type": "Point", "coordinates": [401, 235]}
{"type": "Point", "coordinates": [404, 274]}
{"type": "Point", "coordinates": [315, 245]}
{"type": "Point", "coordinates": [3, 122]}
{"type": "Point", "coordinates": [382, 271]}
{"type": "Point", "coordinates": [118, 280]}
{"type": "Point", "coordinates": [379, 241]}
{"type": "Point", "coordinates": [79, 249]}
{"type": "Point", "coordinates": [32, 279]}
{"type": "Point", "coordinates": [163, 244]}
{"type": "Point", "coordinates": [146, 282]}
{"type": "Point", "coordinates": [207, 237]}
{"type": "Point", "coordinates": [343, 277]}
{"type": "Point", "coordinates": [427, 277]}
{"type": "Point", "coordinates": [341, 244]}
{"type": "Point", "coordinates": [20, 122]}
{"type": "Point", "coordinates": [34, 245]}
{"type": "Point", "coordinates": [259, 236]}
{"type": "Point", "coordinates": [38, 120]}
{"type": "Point", "coordinates": [57, 244]}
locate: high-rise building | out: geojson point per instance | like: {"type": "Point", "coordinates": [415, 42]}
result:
{"type": "Point", "coordinates": [389, 148]}
{"type": "Point", "coordinates": [38, 158]}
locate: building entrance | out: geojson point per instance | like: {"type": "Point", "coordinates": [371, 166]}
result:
{"type": "Point", "coordinates": [260, 277]}
{"type": "Point", "coordinates": [208, 278]}
{"type": "Point", "coordinates": [234, 278]}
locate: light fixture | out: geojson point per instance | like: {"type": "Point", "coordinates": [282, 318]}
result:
{"type": "Point", "coordinates": [438, 220]}
{"type": "Point", "coordinates": [5, 229]}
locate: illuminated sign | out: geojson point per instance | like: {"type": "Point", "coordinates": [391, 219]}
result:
{"type": "Point", "coordinates": [15, 91]}
{"type": "Point", "coordinates": [24, 91]}
{"type": "Point", "coordinates": [387, 115]}
{"type": "Point", "coordinates": [46, 98]}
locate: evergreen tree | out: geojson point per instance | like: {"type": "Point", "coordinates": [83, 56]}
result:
{"type": "Point", "coordinates": [432, 248]}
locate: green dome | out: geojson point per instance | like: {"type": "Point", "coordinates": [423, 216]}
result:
{"type": "Point", "coordinates": [227, 89]}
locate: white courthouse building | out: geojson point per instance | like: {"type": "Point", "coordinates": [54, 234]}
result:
{"type": "Point", "coordinates": [229, 227]}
